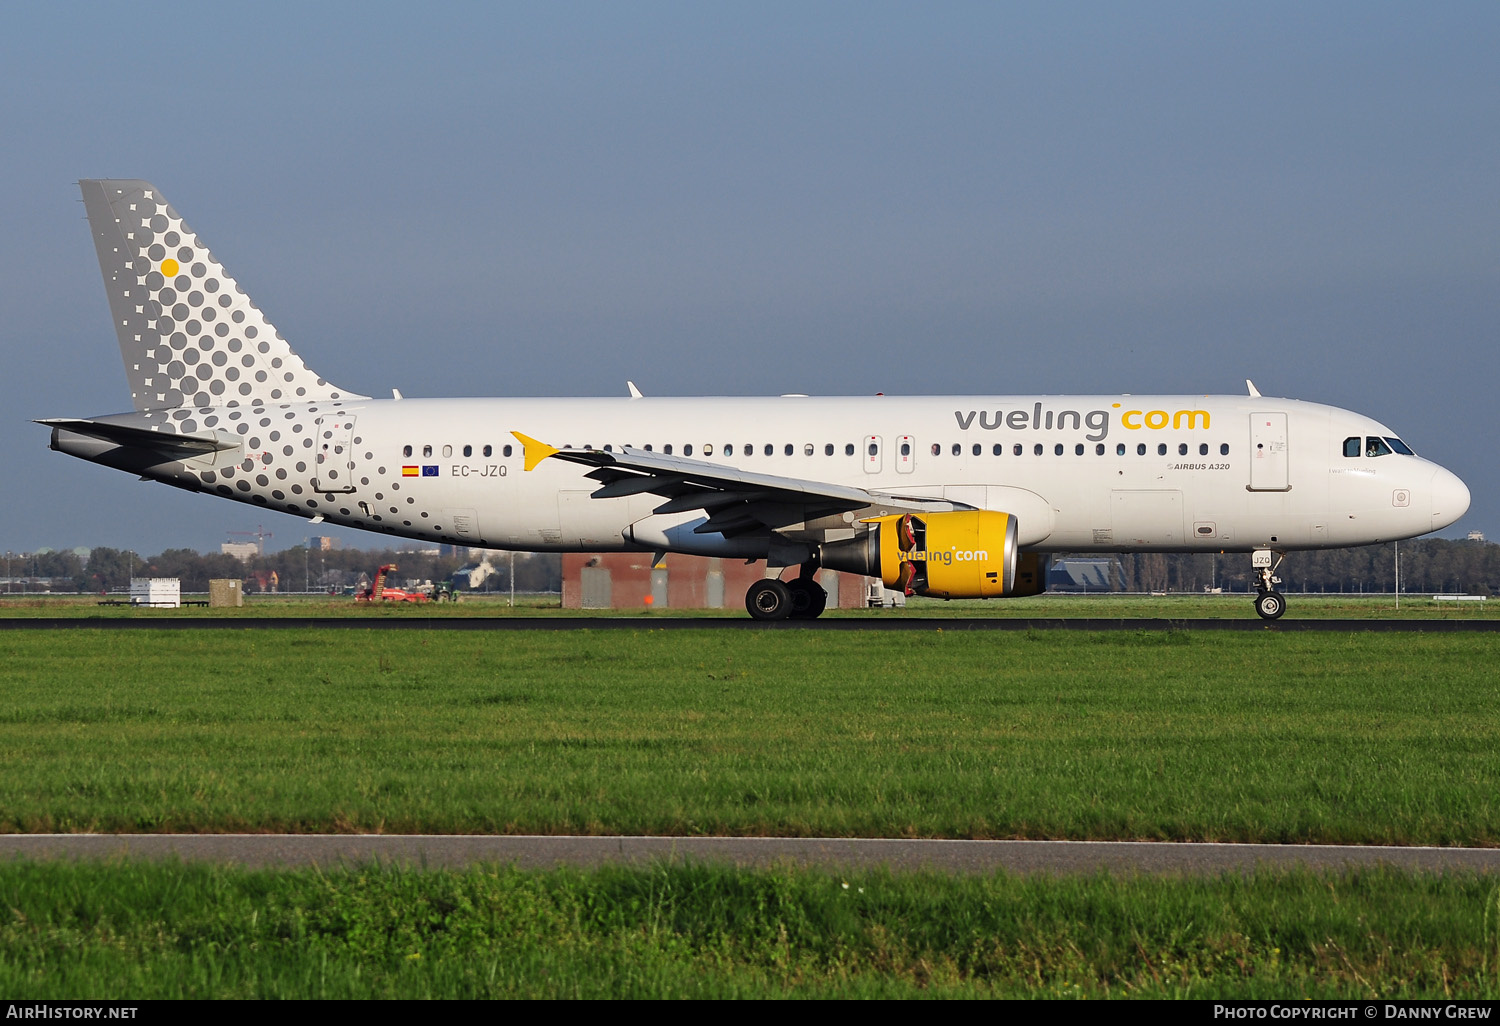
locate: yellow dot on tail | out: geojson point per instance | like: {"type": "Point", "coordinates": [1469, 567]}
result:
{"type": "Point", "coordinates": [169, 267]}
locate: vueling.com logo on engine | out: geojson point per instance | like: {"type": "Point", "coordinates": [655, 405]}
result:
{"type": "Point", "coordinates": [948, 558]}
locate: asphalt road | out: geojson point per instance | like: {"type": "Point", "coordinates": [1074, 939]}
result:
{"type": "Point", "coordinates": [536, 852]}
{"type": "Point", "coordinates": [669, 623]}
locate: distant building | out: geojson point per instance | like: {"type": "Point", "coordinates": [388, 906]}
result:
{"type": "Point", "coordinates": [1086, 575]}
{"type": "Point", "coordinates": [627, 580]}
{"type": "Point", "coordinates": [1476, 536]}
{"type": "Point", "coordinates": [322, 543]}
{"type": "Point", "coordinates": [241, 551]}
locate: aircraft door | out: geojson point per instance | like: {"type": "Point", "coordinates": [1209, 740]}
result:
{"type": "Point", "coordinates": [872, 455]}
{"type": "Point", "coordinates": [1268, 453]}
{"type": "Point", "coordinates": [335, 459]}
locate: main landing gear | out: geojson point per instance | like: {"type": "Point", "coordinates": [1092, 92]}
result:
{"type": "Point", "coordinates": [801, 598]}
{"type": "Point", "coordinates": [1269, 603]}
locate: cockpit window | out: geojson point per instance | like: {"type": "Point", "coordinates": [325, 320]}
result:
{"type": "Point", "coordinates": [1351, 447]}
{"type": "Point", "coordinates": [1400, 446]}
{"type": "Point", "coordinates": [1375, 446]}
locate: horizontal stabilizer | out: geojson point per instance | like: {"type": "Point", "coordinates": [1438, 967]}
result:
{"type": "Point", "coordinates": [195, 443]}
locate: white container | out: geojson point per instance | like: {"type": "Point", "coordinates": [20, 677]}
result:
{"type": "Point", "coordinates": [161, 592]}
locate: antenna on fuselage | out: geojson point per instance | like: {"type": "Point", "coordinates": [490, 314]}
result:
{"type": "Point", "coordinates": [1254, 392]}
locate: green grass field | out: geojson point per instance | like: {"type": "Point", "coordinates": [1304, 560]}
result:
{"type": "Point", "coordinates": [1359, 738]}
{"type": "Point", "coordinates": [164, 931]}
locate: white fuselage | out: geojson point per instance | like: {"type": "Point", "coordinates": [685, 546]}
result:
{"type": "Point", "coordinates": [1106, 473]}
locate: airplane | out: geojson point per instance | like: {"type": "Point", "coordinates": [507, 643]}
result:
{"type": "Point", "coordinates": [952, 497]}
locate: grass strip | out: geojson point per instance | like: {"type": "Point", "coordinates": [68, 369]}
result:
{"type": "Point", "coordinates": [143, 930]}
{"type": "Point", "coordinates": [1371, 738]}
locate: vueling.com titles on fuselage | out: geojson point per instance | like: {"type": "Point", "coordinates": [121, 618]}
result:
{"type": "Point", "coordinates": [1038, 418]}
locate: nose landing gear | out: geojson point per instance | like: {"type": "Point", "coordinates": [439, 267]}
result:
{"type": "Point", "coordinates": [1269, 603]}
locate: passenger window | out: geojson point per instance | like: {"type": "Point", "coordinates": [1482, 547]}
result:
{"type": "Point", "coordinates": [1057, 450]}
{"type": "Point", "coordinates": [1400, 446]}
{"type": "Point", "coordinates": [489, 450]}
{"type": "Point", "coordinates": [937, 450]}
{"type": "Point", "coordinates": [1161, 448]}
{"type": "Point", "coordinates": [1203, 449]}
{"type": "Point", "coordinates": [668, 449]}
{"type": "Point", "coordinates": [406, 450]}
{"type": "Point", "coordinates": [1099, 450]}
{"type": "Point", "coordinates": [1376, 447]}
{"type": "Point", "coordinates": [906, 448]}
{"type": "Point", "coordinates": [608, 447]}
{"type": "Point", "coordinates": [708, 450]}
{"type": "Point", "coordinates": [999, 449]}
{"type": "Point", "coordinates": [1016, 449]}
{"type": "Point", "coordinates": [1140, 450]}
{"type": "Point", "coordinates": [1120, 449]}
{"type": "Point", "coordinates": [1078, 449]}
{"type": "Point", "coordinates": [447, 451]}
{"type": "Point", "coordinates": [687, 450]}
{"type": "Point", "coordinates": [750, 449]}
{"type": "Point", "coordinates": [789, 449]}
{"type": "Point", "coordinates": [807, 450]}
{"type": "Point", "coordinates": [468, 450]}
{"type": "Point", "coordinates": [828, 449]}
{"type": "Point", "coordinates": [978, 449]}
{"type": "Point", "coordinates": [1351, 447]}
{"type": "Point", "coordinates": [426, 450]}
{"type": "Point", "coordinates": [874, 449]}
{"type": "Point", "coordinates": [849, 449]}
{"type": "Point", "coordinates": [957, 449]}
{"type": "Point", "coordinates": [1224, 449]}
{"type": "Point", "coordinates": [506, 451]}
{"type": "Point", "coordinates": [1038, 449]}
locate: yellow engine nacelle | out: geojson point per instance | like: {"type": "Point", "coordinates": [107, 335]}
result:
{"type": "Point", "coordinates": [958, 554]}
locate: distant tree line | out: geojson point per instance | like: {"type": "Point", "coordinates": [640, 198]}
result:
{"type": "Point", "coordinates": [1432, 565]}
{"type": "Point", "coordinates": [289, 570]}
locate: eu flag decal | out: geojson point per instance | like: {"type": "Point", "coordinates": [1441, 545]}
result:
{"type": "Point", "coordinates": [429, 472]}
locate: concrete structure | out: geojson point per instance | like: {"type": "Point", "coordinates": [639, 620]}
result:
{"type": "Point", "coordinates": [225, 594]}
{"type": "Point", "coordinates": [627, 580]}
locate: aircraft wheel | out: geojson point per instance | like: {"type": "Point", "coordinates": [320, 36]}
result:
{"type": "Point", "coordinates": [769, 599]}
{"type": "Point", "coordinates": [808, 598]}
{"type": "Point", "coordinates": [1270, 605]}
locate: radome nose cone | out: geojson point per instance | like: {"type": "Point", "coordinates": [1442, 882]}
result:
{"type": "Point", "coordinates": [1450, 498]}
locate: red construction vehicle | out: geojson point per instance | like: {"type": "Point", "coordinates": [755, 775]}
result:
{"type": "Point", "coordinates": [379, 592]}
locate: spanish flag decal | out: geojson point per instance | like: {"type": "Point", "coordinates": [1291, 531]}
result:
{"type": "Point", "coordinates": [411, 471]}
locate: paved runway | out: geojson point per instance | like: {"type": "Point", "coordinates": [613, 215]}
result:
{"type": "Point", "coordinates": [536, 852]}
{"type": "Point", "coordinates": [149, 621]}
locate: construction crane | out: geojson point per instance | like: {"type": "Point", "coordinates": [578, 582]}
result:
{"type": "Point", "coordinates": [260, 535]}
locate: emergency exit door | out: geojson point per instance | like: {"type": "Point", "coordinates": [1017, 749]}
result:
{"type": "Point", "coordinates": [1268, 453]}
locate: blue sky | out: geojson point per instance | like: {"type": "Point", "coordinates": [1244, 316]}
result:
{"type": "Point", "coordinates": [762, 198]}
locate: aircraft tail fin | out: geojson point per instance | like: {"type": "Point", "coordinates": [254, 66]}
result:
{"type": "Point", "coordinates": [189, 335]}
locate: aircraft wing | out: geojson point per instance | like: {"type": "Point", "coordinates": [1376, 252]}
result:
{"type": "Point", "coordinates": [736, 501]}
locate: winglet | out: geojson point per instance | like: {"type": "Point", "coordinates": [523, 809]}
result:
{"type": "Point", "coordinates": [535, 451]}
